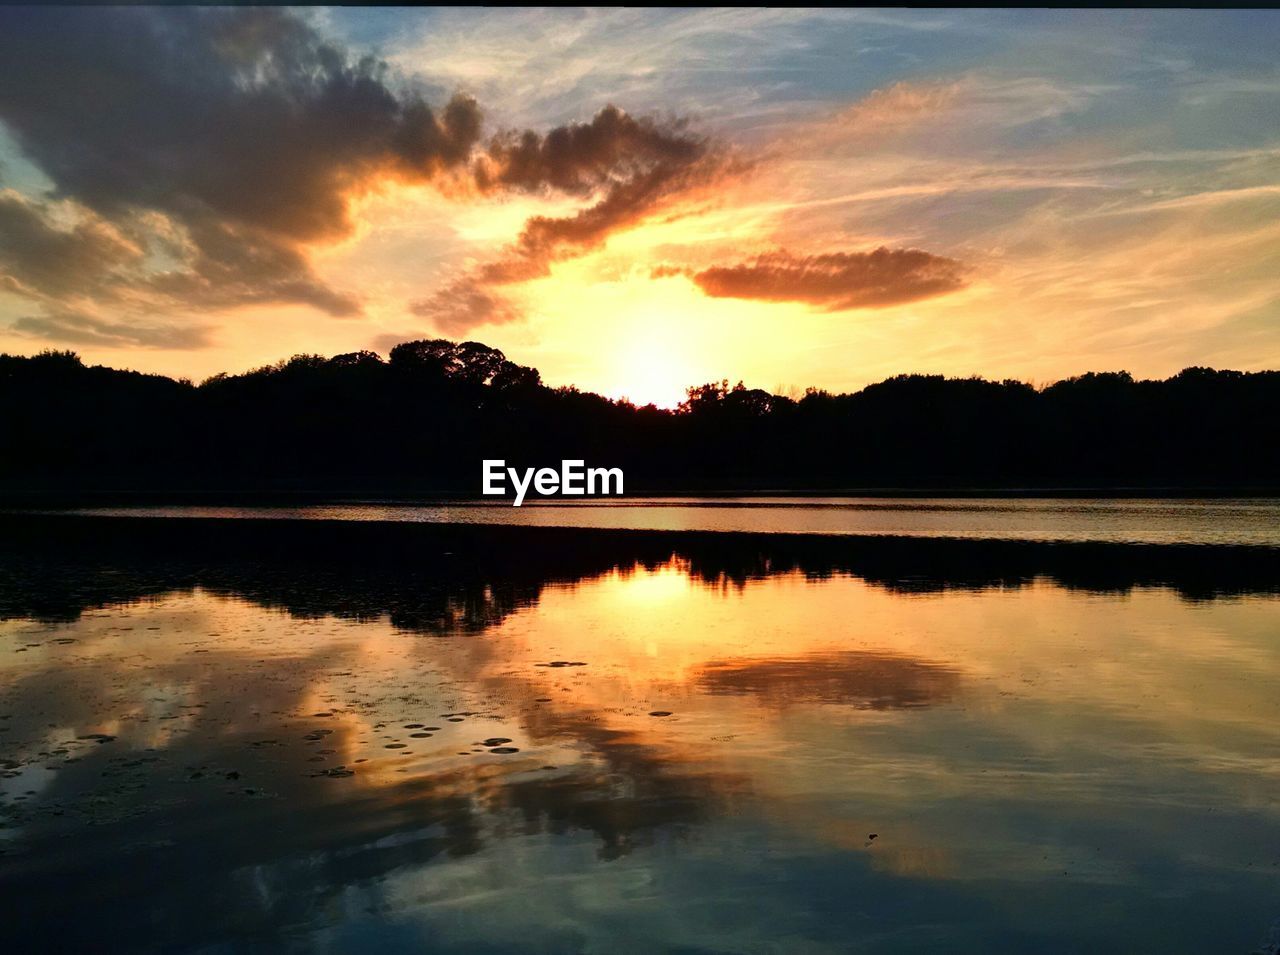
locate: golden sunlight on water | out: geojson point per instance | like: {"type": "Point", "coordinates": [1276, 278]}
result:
{"type": "Point", "coordinates": [972, 746]}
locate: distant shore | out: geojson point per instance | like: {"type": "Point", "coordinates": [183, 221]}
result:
{"type": "Point", "coordinates": [67, 497]}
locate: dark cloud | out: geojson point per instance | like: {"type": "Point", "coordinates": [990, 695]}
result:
{"type": "Point", "coordinates": [836, 280]}
{"type": "Point", "coordinates": [389, 340]}
{"type": "Point", "coordinates": [237, 266]}
{"type": "Point", "coordinates": [39, 258]}
{"type": "Point", "coordinates": [241, 115]}
{"type": "Point", "coordinates": [626, 202]}
{"type": "Point", "coordinates": [78, 328]}
{"type": "Point", "coordinates": [240, 129]}
{"type": "Point", "coordinates": [92, 259]}
{"type": "Point", "coordinates": [579, 158]}
{"type": "Point", "coordinates": [207, 148]}
{"type": "Point", "coordinates": [631, 167]}
{"type": "Point", "coordinates": [465, 304]}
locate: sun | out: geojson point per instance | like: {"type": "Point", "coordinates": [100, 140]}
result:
{"type": "Point", "coordinates": [647, 341]}
{"type": "Point", "coordinates": [651, 371]}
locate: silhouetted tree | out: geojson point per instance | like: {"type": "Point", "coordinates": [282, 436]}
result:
{"type": "Point", "coordinates": [422, 421]}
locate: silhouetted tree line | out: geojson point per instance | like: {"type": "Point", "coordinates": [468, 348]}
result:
{"type": "Point", "coordinates": [423, 420]}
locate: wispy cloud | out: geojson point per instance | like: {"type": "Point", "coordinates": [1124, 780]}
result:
{"type": "Point", "coordinates": [79, 328]}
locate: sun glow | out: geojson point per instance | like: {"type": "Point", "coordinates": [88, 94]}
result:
{"type": "Point", "coordinates": [648, 339]}
{"type": "Point", "coordinates": [650, 368]}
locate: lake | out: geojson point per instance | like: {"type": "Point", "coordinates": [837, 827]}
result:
{"type": "Point", "coordinates": [277, 734]}
{"type": "Point", "coordinates": [1253, 520]}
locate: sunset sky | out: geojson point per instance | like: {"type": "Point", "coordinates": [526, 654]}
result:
{"type": "Point", "coordinates": [636, 201]}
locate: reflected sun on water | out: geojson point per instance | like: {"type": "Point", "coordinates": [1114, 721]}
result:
{"type": "Point", "coordinates": [651, 752]}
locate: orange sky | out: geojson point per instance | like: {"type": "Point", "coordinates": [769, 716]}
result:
{"type": "Point", "coordinates": [1098, 187]}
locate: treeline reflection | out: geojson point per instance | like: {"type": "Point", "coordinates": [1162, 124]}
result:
{"type": "Point", "coordinates": [436, 579]}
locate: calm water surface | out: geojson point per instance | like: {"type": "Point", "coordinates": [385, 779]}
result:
{"type": "Point", "coordinates": [649, 758]}
{"type": "Point", "coordinates": [1135, 520]}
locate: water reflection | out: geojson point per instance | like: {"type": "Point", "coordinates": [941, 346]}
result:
{"type": "Point", "coordinates": [472, 744]}
{"type": "Point", "coordinates": [447, 579]}
{"type": "Point", "coordinates": [1248, 520]}
{"type": "Point", "coordinates": [861, 679]}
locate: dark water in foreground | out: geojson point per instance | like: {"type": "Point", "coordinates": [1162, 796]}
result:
{"type": "Point", "coordinates": [262, 738]}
